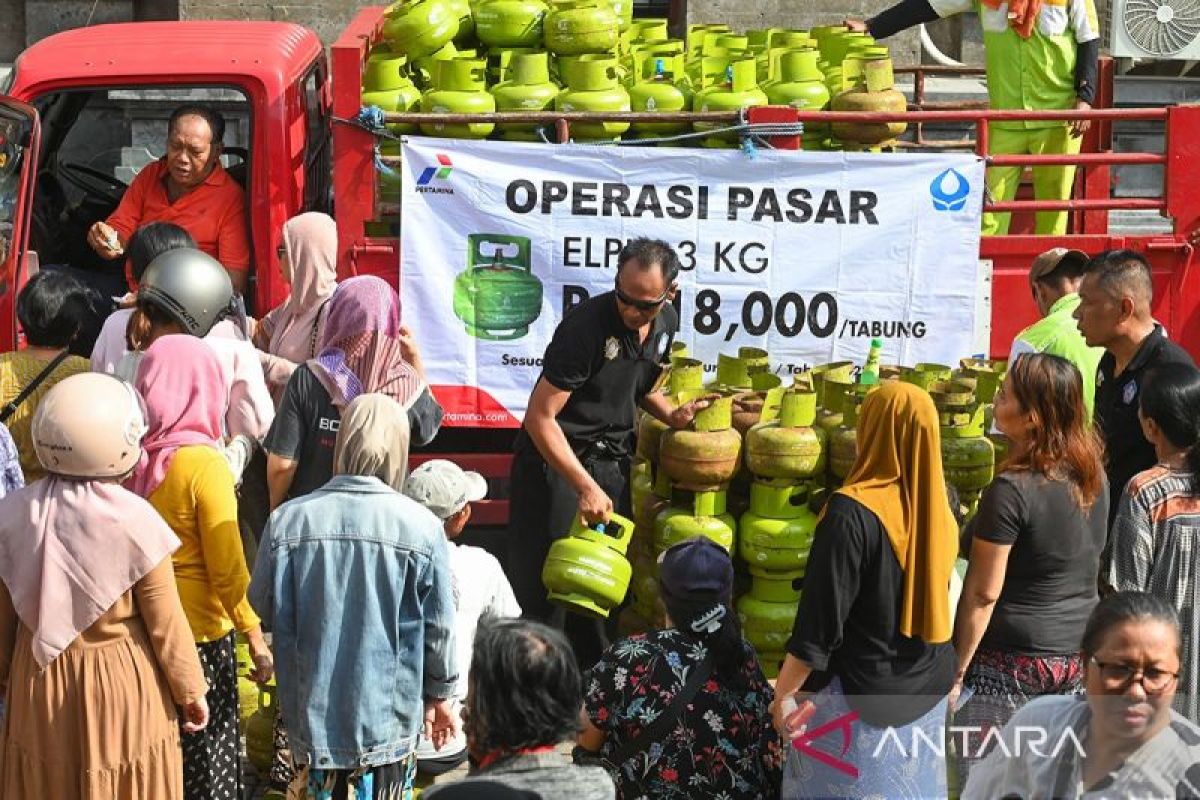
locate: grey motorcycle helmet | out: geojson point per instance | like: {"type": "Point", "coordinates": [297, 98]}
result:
{"type": "Point", "coordinates": [191, 287]}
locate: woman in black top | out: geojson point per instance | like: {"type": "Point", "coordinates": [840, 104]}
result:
{"type": "Point", "coordinates": [873, 628]}
{"type": "Point", "coordinates": [1034, 550]}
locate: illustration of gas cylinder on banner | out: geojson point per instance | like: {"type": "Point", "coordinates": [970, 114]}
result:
{"type": "Point", "coordinates": [498, 297]}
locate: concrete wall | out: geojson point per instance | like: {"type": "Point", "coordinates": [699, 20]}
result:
{"type": "Point", "coordinates": [747, 14]}
{"type": "Point", "coordinates": [326, 17]}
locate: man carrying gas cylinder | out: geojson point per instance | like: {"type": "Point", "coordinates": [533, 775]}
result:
{"type": "Point", "coordinates": [572, 456]}
{"type": "Point", "coordinates": [1042, 55]}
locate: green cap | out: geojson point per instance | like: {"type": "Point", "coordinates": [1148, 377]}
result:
{"type": "Point", "coordinates": [877, 343]}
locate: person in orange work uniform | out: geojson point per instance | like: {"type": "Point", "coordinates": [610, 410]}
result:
{"type": "Point", "coordinates": [189, 187]}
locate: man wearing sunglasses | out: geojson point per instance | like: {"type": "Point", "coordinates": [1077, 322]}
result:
{"type": "Point", "coordinates": [573, 454]}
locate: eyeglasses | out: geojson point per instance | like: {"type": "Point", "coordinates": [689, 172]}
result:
{"type": "Point", "coordinates": [1118, 676]}
{"type": "Point", "coordinates": [641, 305]}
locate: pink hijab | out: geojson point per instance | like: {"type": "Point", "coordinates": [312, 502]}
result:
{"type": "Point", "coordinates": [186, 393]}
{"type": "Point", "coordinates": [310, 240]}
{"type": "Point", "coordinates": [68, 551]}
{"type": "Point", "coordinates": [360, 346]}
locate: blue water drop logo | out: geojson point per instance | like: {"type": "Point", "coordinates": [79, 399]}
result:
{"type": "Point", "coordinates": [949, 191]}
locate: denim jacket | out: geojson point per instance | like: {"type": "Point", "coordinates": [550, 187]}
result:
{"type": "Point", "coordinates": [354, 582]}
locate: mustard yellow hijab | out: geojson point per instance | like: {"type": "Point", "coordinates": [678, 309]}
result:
{"type": "Point", "coordinates": [898, 476]}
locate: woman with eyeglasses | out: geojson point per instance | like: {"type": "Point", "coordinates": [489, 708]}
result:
{"type": "Point", "coordinates": [1034, 552]}
{"type": "Point", "coordinates": [1157, 527]}
{"type": "Point", "coordinates": [1123, 739]}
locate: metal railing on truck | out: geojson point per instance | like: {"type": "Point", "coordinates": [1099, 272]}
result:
{"type": "Point", "coordinates": [356, 158]}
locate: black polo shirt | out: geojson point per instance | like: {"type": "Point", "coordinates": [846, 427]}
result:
{"type": "Point", "coordinates": [1117, 400]}
{"type": "Point", "coordinates": [600, 361]}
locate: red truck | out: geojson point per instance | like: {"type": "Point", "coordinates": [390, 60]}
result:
{"type": "Point", "coordinates": [84, 109]}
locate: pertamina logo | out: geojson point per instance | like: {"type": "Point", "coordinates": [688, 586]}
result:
{"type": "Point", "coordinates": [949, 191]}
{"type": "Point", "coordinates": [439, 173]}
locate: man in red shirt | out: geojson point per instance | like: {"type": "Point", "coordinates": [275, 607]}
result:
{"type": "Point", "coordinates": [189, 187]}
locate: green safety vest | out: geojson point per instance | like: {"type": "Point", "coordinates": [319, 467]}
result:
{"type": "Point", "coordinates": [1057, 334]}
{"type": "Point", "coordinates": [1034, 74]}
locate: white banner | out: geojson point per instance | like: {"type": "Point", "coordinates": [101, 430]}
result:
{"type": "Point", "coordinates": [808, 255]}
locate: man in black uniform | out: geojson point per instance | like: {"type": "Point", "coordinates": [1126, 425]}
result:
{"type": "Point", "coordinates": [573, 454]}
{"type": "Point", "coordinates": [1114, 313]}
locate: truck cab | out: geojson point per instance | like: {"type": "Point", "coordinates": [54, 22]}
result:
{"type": "Point", "coordinates": [88, 110]}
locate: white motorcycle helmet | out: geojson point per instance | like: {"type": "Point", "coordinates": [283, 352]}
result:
{"type": "Point", "coordinates": [89, 426]}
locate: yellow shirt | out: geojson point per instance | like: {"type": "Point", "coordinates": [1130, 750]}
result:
{"type": "Point", "coordinates": [197, 499]}
{"type": "Point", "coordinates": [17, 370]}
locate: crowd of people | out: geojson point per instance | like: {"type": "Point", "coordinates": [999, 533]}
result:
{"type": "Point", "coordinates": [210, 478]}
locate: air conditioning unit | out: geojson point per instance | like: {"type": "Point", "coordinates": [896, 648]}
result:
{"type": "Point", "coordinates": [1165, 29]}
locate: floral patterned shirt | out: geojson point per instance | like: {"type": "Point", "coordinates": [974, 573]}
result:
{"type": "Point", "coordinates": [723, 745]}
{"type": "Point", "coordinates": [11, 477]}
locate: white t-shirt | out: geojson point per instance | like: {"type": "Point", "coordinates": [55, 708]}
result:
{"type": "Point", "coordinates": [479, 588]}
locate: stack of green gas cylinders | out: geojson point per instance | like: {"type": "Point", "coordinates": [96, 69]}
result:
{"type": "Point", "coordinates": [756, 478]}
{"type": "Point", "coordinates": [785, 455]}
{"type": "Point", "coordinates": [476, 56]}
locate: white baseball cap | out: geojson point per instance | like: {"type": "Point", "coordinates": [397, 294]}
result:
{"type": "Point", "coordinates": [443, 487]}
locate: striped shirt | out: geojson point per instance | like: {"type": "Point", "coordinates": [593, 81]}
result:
{"type": "Point", "coordinates": [1155, 543]}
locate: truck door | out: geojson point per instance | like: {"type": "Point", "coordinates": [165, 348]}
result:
{"type": "Point", "coordinates": [19, 139]}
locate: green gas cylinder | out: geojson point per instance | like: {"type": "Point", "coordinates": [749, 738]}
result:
{"type": "Point", "coordinates": [649, 438]}
{"type": "Point", "coordinates": [926, 374]}
{"type": "Point", "coordinates": [800, 85]}
{"type": "Point", "coordinates": [694, 514]}
{"type": "Point", "coordinates": [417, 28]}
{"type": "Point", "coordinates": [459, 87]}
{"type": "Point", "coordinates": [687, 374]}
{"type": "Point", "coordinates": [767, 625]}
{"type": "Point", "coordinates": [733, 375]}
{"type": "Point", "coordinates": [736, 92]}
{"type": "Point", "coordinates": [650, 29]}
{"type": "Point", "coordinates": [968, 457]}
{"type": "Point", "coordinates": [696, 34]}
{"type": "Point", "coordinates": [760, 405]}
{"type": "Point", "coordinates": [661, 89]}
{"type": "Point", "coordinates": [500, 64]}
{"type": "Point", "coordinates": [497, 297]}
{"type": "Point", "coordinates": [874, 91]}
{"type": "Point", "coordinates": [788, 447]}
{"type": "Point", "coordinates": [706, 454]}
{"type": "Point", "coordinates": [775, 544]}
{"type": "Point", "coordinates": [843, 442]}
{"type": "Point", "coordinates": [987, 374]}
{"type": "Point", "coordinates": [260, 731]}
{"type": "Point", "coordinates": [575, 27]}
{"type": "Point", "coordinates": [510, 23]}
{"type": "Point", "coordinates": [248, 690]}
{"type": "Point", "coordinates": [422, 69]}
{"type": "Point", "coordinates": [592, 84]}
{"type": "Point", "coordinates": [834, 388]}
{"type": "Point", "coordinates": [527, 88]}
{"type": "Point", "coordinates": [386, 85]}
{"type": "Point", "coordinates": [644, 585]}
{"type": "Point", "coordinates": [586, 571]}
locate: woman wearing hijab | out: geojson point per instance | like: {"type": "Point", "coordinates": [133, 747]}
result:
{"type": "Point", "coordinates": [872, 634]}
{"type": "Point", "coordinates": [95, 650]}
{"type": "Point", "coordinates": [374, 563]}
{"type": "Point", "coordinates": [288, 335]}
{"type": "Point", "coordinates": [728, 712]}
{"type": "Point", "coordinates": [186, 479]}
{"type": "Point", "coordinates": [363, 350]}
